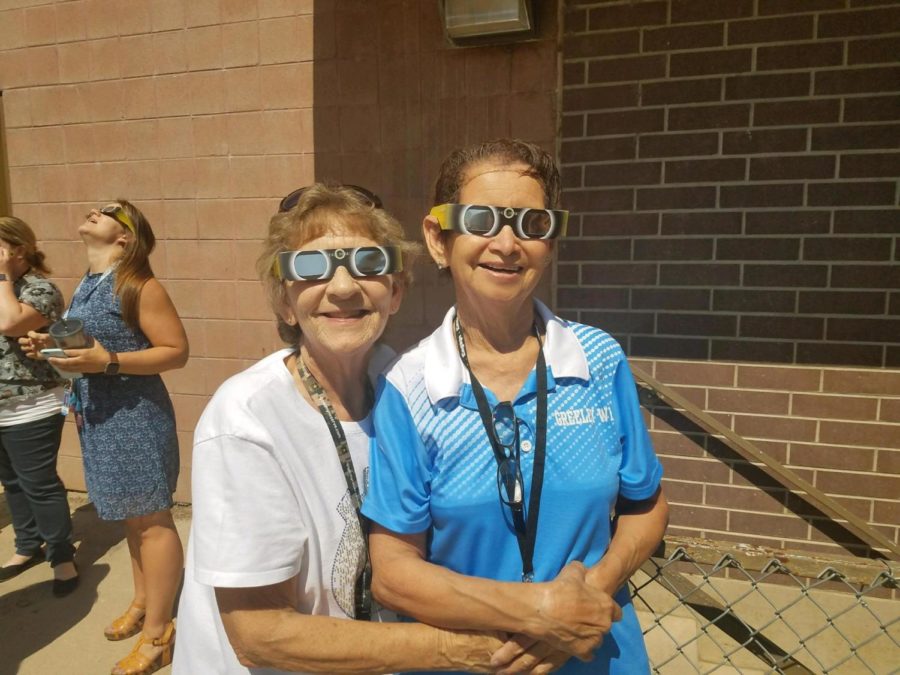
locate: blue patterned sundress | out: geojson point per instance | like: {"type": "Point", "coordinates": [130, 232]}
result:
{"type": "Point", "coordinates": [128, 440]}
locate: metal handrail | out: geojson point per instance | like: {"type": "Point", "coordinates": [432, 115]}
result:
{"type": "Point", "coordinates": [803, 489]}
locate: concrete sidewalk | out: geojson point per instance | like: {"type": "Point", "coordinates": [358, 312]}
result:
{"type": "Point", "coordinates": [41, 634]}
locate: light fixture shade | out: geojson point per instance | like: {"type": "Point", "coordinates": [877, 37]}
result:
{"type": "Point", "coordinates": [476, 18]}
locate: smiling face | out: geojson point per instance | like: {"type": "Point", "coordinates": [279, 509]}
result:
{"type": "Point", "coordinates": [343, 315]}
{"type": "Point", "coordinates": [503, 269]}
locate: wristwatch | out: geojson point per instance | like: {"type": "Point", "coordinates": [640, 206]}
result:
{"type": "Point", "coordinates": [112, 368]}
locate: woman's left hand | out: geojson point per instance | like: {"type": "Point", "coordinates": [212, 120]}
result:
{"type": "Point", "coordinates": [91, 359]}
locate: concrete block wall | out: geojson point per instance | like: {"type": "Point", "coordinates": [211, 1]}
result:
{"type": "Point", "coordinates": [733, 167]}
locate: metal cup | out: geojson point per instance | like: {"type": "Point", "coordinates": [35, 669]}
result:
{"type": "Point", "coordinates": [69, 334]}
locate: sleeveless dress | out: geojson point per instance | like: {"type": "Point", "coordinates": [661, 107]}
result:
{"type": "Point", "coordinates": [128, 440]}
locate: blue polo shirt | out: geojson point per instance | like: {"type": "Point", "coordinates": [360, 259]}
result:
{"type": "Point", "coordinates": [432, 466]}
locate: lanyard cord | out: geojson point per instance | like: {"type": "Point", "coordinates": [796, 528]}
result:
{"type": "Point", "coordinates": [362, 594]}
{"type": "Point", "coordinates": [526, 531]}
{"type": "Point", "coordinates": [109, 270]}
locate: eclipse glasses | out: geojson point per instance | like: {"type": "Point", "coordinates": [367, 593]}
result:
{"type": "Point", "coordinates": [321, 264]}
{"type": "Point", "coordinates": [119, 214]}
{"type": "Point", "coordinates": [487, 221]}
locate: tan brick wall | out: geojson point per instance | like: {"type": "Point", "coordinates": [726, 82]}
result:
{"type": "Point", "coordinates": [837, 428]}
{"type": "Point", "coordinates": [199, 111]}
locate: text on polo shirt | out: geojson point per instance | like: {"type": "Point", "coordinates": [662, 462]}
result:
{"type": "Point", "coordinates": [568, 418]}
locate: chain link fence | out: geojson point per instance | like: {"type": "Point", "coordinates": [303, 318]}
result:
{"type": "Point", "coordinates": [720, 607]}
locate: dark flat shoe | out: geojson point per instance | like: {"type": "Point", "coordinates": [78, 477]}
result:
{"type": "Point", "coordinates": [12, 571]}
{"type": "Point", "coordinates": [62, 588]}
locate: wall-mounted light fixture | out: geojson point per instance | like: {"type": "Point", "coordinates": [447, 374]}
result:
{"type": "Point", "coordinates": [473, 22]}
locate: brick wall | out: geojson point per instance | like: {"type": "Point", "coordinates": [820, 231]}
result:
{"type": "Point", "coordinates": [393, 100]}
{"type": "Point", "coordinates": [199, 111]}
{"type": "Point", "coordinates": [734, 167]}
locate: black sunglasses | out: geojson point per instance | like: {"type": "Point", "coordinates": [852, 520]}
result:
{"type": "Point", "coordinates": [505, 428]}
{"type": "Point", "coordinates": [368, 196]}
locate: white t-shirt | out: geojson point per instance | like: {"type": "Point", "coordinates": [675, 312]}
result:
{"type": "Point", "coordinates": [270, 503]}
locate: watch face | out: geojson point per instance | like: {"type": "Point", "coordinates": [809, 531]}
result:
{"type": "Point", "coordinates": [111, 368]}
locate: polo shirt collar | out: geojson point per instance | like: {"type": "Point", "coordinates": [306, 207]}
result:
{"type": "Point", "coordinates": [445, 373]}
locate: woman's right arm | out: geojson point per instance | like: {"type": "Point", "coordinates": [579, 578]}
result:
{"type": "Point", "coordinates": [265, 630]}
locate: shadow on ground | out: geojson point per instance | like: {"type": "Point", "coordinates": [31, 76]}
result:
{"type": "Point", "coordinates": [30, 617]}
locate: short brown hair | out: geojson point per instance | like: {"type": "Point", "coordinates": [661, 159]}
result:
{"type": "Point", "coordinates": [541, 166]}
{"type": "Point", "coordinates": [314, 216]}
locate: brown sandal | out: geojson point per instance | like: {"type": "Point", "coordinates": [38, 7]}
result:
{"type": "Point", "coordinates": [137, 663]}
{"type": "Point", "coordinates": [130, 623]}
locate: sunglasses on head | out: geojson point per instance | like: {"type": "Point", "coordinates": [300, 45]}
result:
{"type": "Point", "coordinates": [487, 221]}
{"type": "Point", "coordinates": [321, 264]}
{"type": "Point", "coordinates": [117, 213]}
{"type": "Point", "coordinates": [292, 199]}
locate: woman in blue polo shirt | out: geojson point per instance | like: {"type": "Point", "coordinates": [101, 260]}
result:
{"type": "Point", "coordinates": [510, 443]}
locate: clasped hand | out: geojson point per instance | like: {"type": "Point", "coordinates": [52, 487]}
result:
{"type": "Point", "coordinates": [91, 359]}
{"type": "Point", "coordinates": [574, 618]}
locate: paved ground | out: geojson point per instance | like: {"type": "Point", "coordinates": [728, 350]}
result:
{"type": "Point", "coordinates": [40, 634]}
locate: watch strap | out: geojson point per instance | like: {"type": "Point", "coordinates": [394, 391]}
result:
{"type": "Point", "coordinates": [112, 367]}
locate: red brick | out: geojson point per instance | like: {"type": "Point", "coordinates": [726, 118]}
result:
{"type": "Point", "coordinates": [699, 470]}
{"type": "Point", "coordinates": [865, 276]}
{"type": "Point", "coordinates": [598, 149]}
{"type": "Point", "coordinates": [859, 433]}
{"type": "Point", "coordinates": [670, 298]}
{"type": "Point", "coordinates": [702, 374]}
{"type": "Point", "coordinates": [889, 410]}
{"type": "Point", "coordinates": [794, 57]}
{"type": "Point", "coordinates": [750, 499]}
{"type": "Point", "coordinates": [683, 492]}
{"type": "Point", "coordinates": [841, 302]}
{"type": "Point", "coordinates": [861, 381]}
{"type": "Point", "coordinates": [593, 249]}
{"type": "Point", "coordinates": [672, 92]}
{"type": "Point", "coordinates": [678, 145]}
{"type": "Point", "coordinates": [752, 350]}
{"type": "Point", "coordinates": [856, 80]}
{"type": "Point", "coordinates": [871, 108]}
{"type": "Point", "coordinates": [631, 173]}
{"type": "Point", "coordinates": [707, 274]}
{"type": "Point", "coordinates": [862, 22]}
{"type": "Point", "coordinates": [886, 511]}
{"type": "Point", "coordinates": [572, 126]}
{"type": "Point", "coordinates": [717, 325]}
{"type": "Point", "coordinates": [753, 301]}
{"type": "Point", "coordinates": [669, 443]}
{"type": "Point", "coordinates": [788, 85]}
{"type": "Point", "coordinates": [618, 274]}
{"type": "Point", "coordinates": [765, 141]}
{"type": "Point", "coordinates": [778, 526]}
{"type": "Point", "coordinates": [870, 165]}
{"type": "Point", "coordinates": [672, 38]}
{"type": "Point", "coordinates": [788, 222]}
{"type": "Point", "coordinates": [660, 199]}
{"type": "Point", "coordinates": [778, 378]}
{"type": "Point", "coordinates": [778, 428]}
{"type": "Point", "coordinates": [797, 6]}
{"type": "Point", "coordinates": [708, 117]}
{"type": "Point", "coordinates": [664, 248]}
{"type": "Point", "coordinates": [782, 327]}
{"type": "Point", "coordinates": [888, 459]}
{"type": "Point", "coordinates": [593, 98]}
{"type": "Point", "coordinates": [593, 45]}
{"type": "Point", "coordinates": [703, 223]}
{"type": "Point", "coordinates": [600, 200]}
{"type": "Point", "coordinates": [625, 122]}
{"type": "Point", "coordinates": [622, 16]}
{"type": "Point", "coordinates": [786, 168]}
{"type": "Point", "coordinates": [836, 407]}
{"type": "Point", "coordinates": [574, 73]}
{"type": "Point", "coordinates": [757, 248]}
{"type": "Point", "coordinates": [881, 50]}
{"type": "Point", "coordinates": [698, 517]}
{"type": "Point", "coordinates": [863, 330]}
{"type": "Point", "coordinates": [669, 347]}
{"type": "Point", "coordinates": [613, 298]}
{"type": "Point", "coordinates": [765, 195]}
{"type": "Point", "coordinates": [850, 194]}
{"type": "Point", "coordinates": [847, 248]}
{"type": "Point", "coordinates": [615, 323]}
{"type": "Point", "coordinates": [782, 113]}
{"type": "Point", "coordinates": [710, 62]}
{"type": "Point", "coordinates": [575, 20]}
{"type": "Point", "coordinates": [615, 224]}
{"type": "Point", "coordinates": [627, 69]}
{"type": "Point", "coordinates": [781, 29]}
{"type": "Point", "coordinates": [686, 11]}
{"type": "Point", "coordinates": [847, 137]}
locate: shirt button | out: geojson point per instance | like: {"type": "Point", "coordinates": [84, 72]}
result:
{"type": "Point", "coordinates": [526, 446]}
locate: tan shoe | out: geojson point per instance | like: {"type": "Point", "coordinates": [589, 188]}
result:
{"type": "Point", "coordinates": [130, 623]}
{"type": "Point", "coordinates": [138, 663]}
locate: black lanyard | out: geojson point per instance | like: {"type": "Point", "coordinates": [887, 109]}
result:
{"type": "Point", "coordinates": [362, 594]}
{"type": "Point", "coordinates": [526, 529]}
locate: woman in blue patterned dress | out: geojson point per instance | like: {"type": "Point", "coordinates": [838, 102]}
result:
{"type": "Point", "coordinates": [125, 418]}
